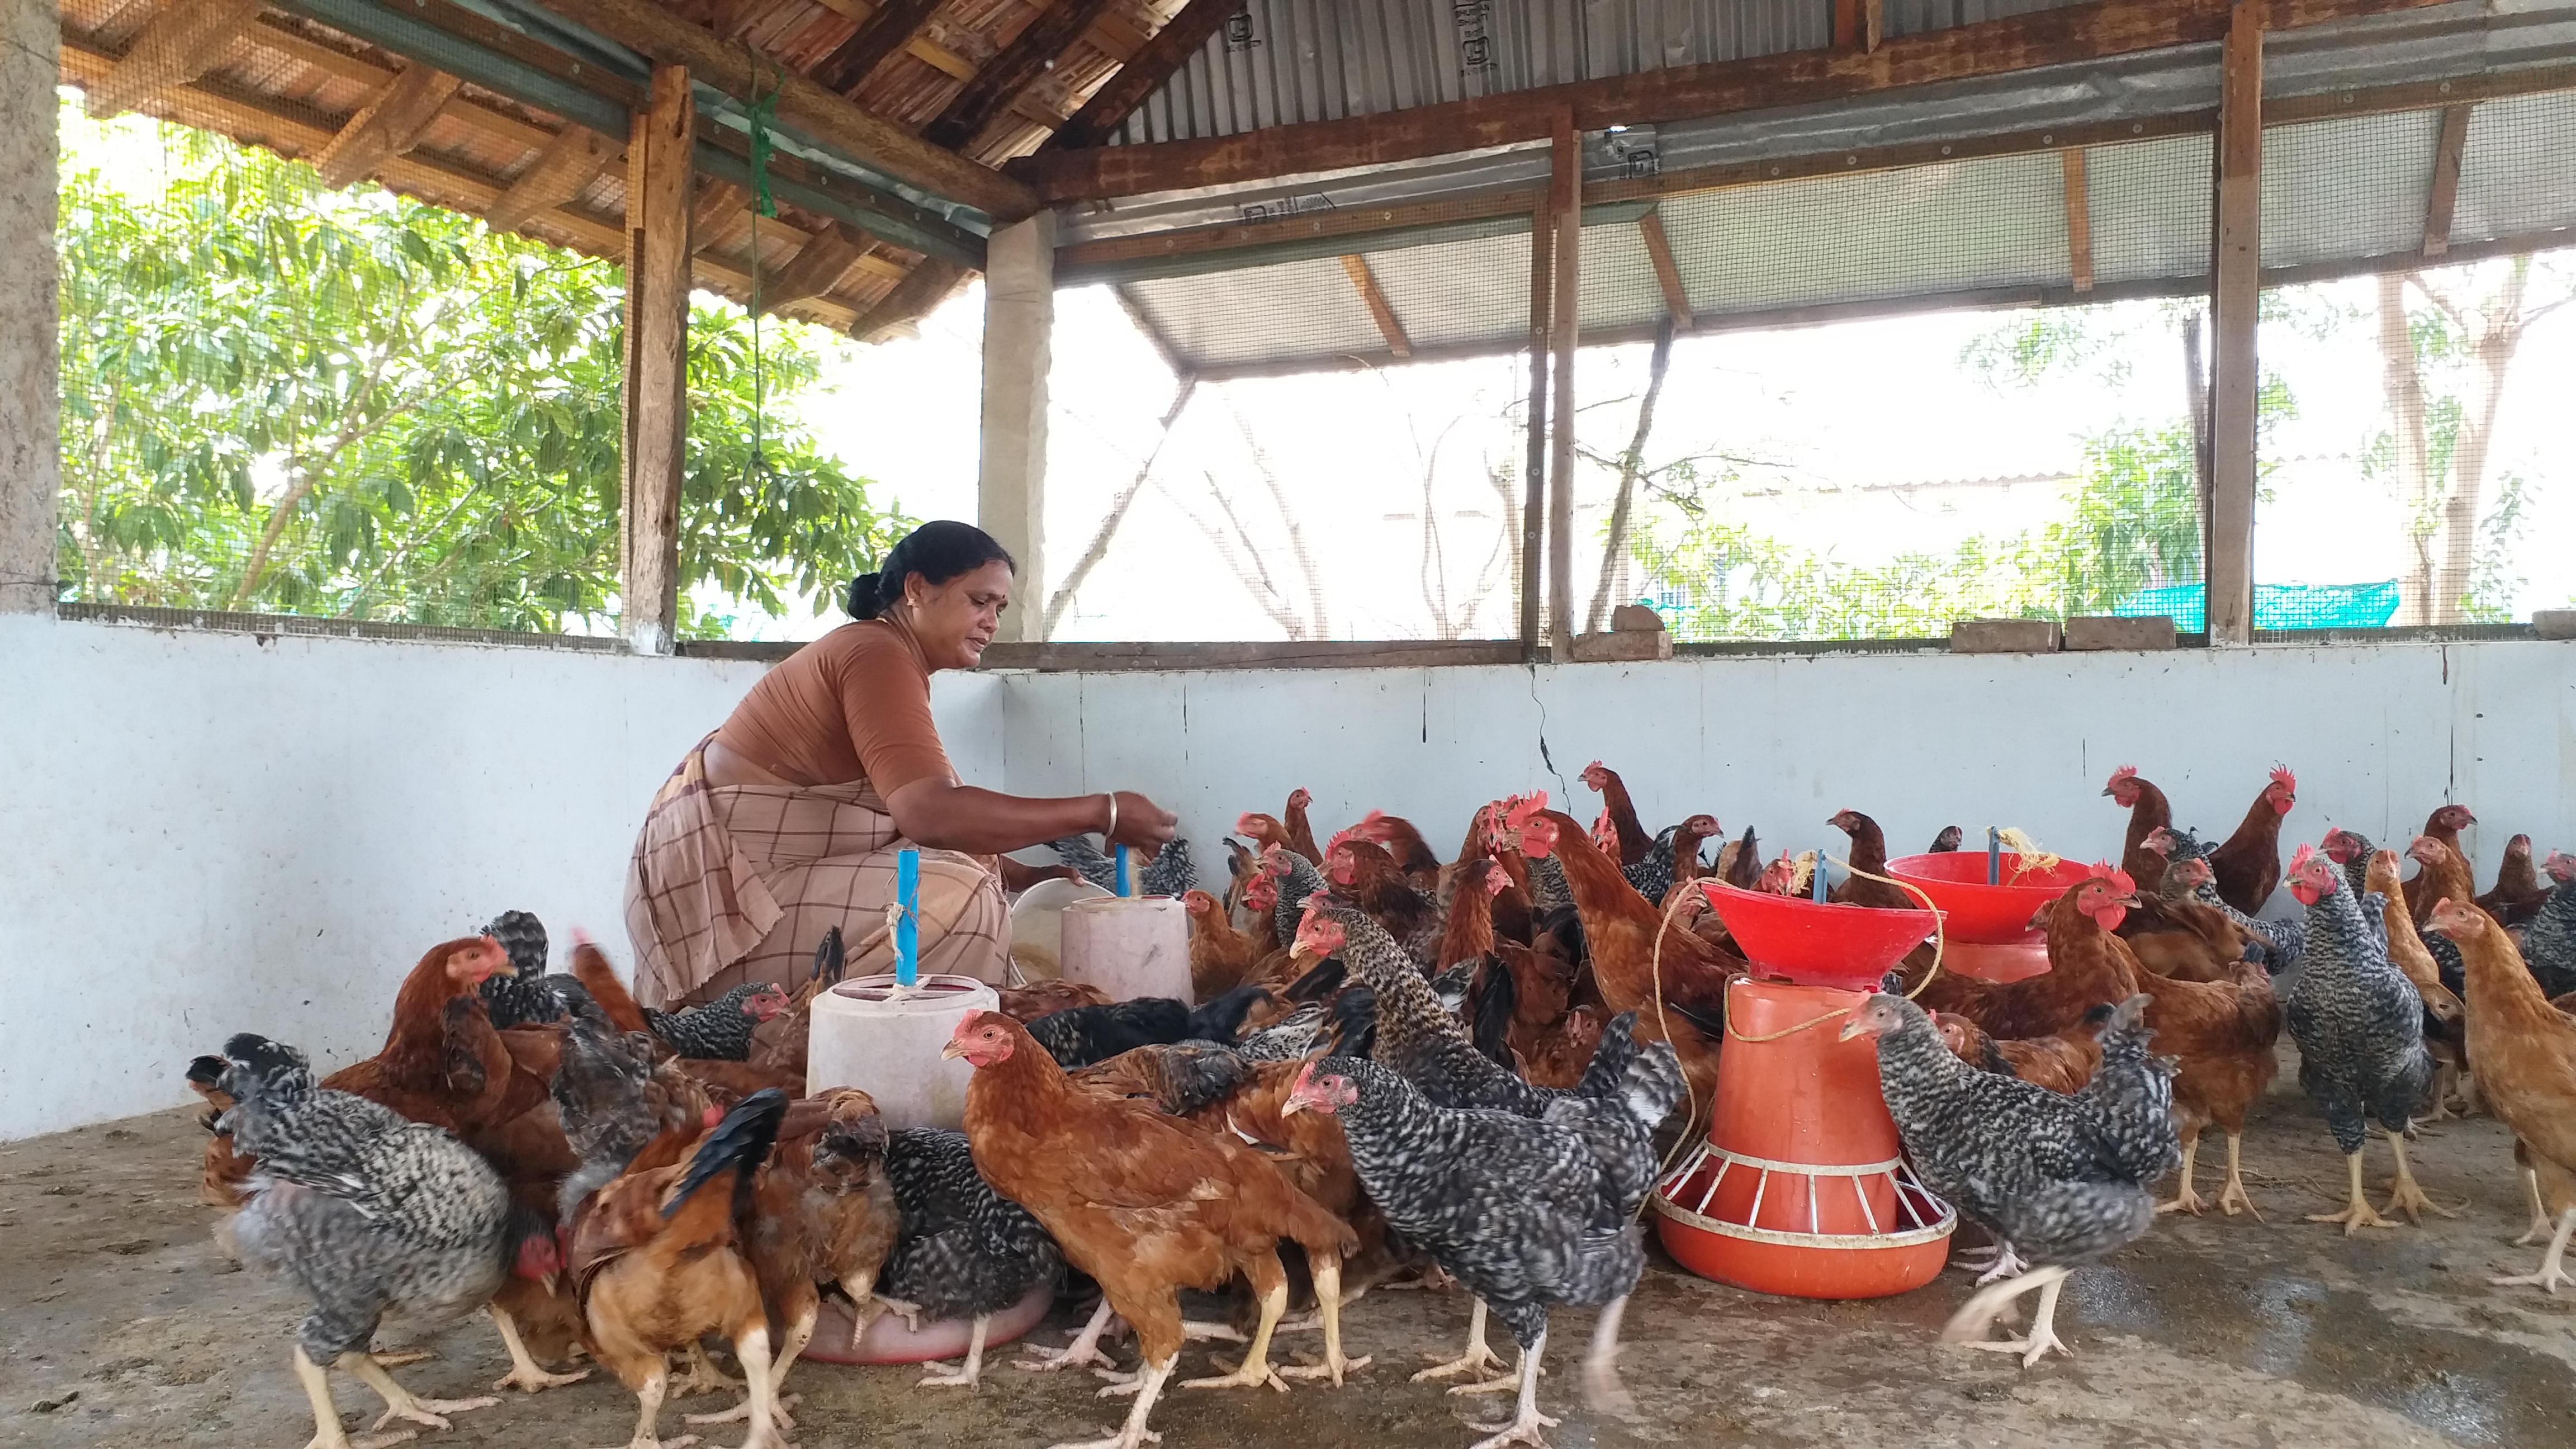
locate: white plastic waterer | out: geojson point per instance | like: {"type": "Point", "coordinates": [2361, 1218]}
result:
{"type": "Point", "coordinates": [1129, 946]}
{"type": "Point", "coordinates": [883, 1034]}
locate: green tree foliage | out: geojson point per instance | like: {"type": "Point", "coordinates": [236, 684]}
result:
{"type": "Point", "coordinates": [284, 399]}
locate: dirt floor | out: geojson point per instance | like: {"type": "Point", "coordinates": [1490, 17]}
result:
{"type": "Point", "coordinates": [121, 1324]}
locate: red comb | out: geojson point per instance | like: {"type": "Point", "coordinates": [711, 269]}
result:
{"type": "Point", "coordinates": [2125, 772]}
{"type": "Point", "coordinates": [2282, 777]}
{"type": "Point", "coordinates": [2299, 858]}
{"type": "Point", "coordinates": [2123, 883]}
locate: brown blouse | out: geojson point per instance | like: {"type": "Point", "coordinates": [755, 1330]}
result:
{"type": "Point", "coordinates": [853, 705]}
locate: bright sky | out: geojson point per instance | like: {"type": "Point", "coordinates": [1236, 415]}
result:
{"type": "Point", "coordinates": [1820, 423]}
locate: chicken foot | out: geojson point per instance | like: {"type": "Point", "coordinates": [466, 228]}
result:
{"type": "Point", "coordinates": [526, 1374]}
{"type": "Point", "coordinates": [966, 1377]}
{"type": "Point", "coordinates": [327, 1433]}
{"type": "Point", "coordinates": [2405, 1194]}
{"type": "Point", "coordinates": [1602, 1391]}
{"type": "Point", "coordinates": [2004, 1263]}
{"type": "Point", "coordinates": [2234, 1196]}
{"type": "Point", "coordinates": [2539, 1230]}
{"type": "Point", "coordinates": [2185, 1199]}
{"type": "Point", "coordinates": [1255, 1370]}
{"type": "Point", "coordinates": [799, 1333]}
{"type": "Point", "coordinates": [2357, 1213]}
{"type": "Point", "coordinates": [1524, 1427]}
{"type": "Point", "coordinates": [1478, 1359]}
{"type": "Point", "coordinates": [1328, 1306]}
{"type": "Point", "coordinates": [702, 1376]}
{"type": "Point", "coordinates": [1967, 1327]}
{"type": "Point", "coordinates": [1148, 1388]}
{"type": "Point", "coordinates": [1085, 1348]}
{"type": "Point", "coordinates": [2550, 1274]}
{"type": "Point", "coordinates": [400, 1402]}
{"type": "Point", "coordinates": [648, 1411]}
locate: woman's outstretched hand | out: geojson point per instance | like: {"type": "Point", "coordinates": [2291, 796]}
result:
{"type": "Point", "coordinates": [1143, 824]}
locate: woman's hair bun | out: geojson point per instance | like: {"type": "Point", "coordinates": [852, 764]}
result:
{"type": "Point", "coordinates": [864, 601]}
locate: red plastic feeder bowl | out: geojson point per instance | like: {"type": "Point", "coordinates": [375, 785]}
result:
{"type": "Point", "coordinates": [1987, 927]}
{"type": "Point", "coordinates": [1799, 1189]}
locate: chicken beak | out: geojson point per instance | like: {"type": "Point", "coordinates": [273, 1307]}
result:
{"type": "Point", "coordinates": [1852, 1028]}
{"type": "Point", "coordinates": [952, 1050]}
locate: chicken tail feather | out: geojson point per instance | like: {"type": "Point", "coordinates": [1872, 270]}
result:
{"type": "Point", "coordinates": [740, 1143]}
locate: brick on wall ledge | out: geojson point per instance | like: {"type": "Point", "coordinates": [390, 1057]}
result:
{"type": "Point", "coordinates": [2004, 636]}
{"type": "Point", "coordinates": [1622, 647]}
{"type": "Point", "coordinates": [2103, 631]}
{"type": "Point", "coordinates": [2554, 623]}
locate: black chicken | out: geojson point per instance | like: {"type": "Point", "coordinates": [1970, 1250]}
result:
{"type": "Point", "coordinates": [527, 996]}
{"type": "Point", "coordinates": [2063, 1180]}
{"type": "Point", "coordinates": [1081, 1036]}
{"type": "Point", "coordinates": [965, 1251]}
{"type": "Point", "coordinates": [369, 1214]}
{"type": "Point", "coordinates": [1526, 1212]}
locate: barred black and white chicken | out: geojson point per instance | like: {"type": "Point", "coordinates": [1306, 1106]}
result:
{"type": "Point", "coordinates": [1169, 873]}
{"type": "Point", "coordinates": [370, 1214]}
{"type": "Point", "coordinates": [965, 1251]}
{"type": "Point", "coordinates": [528, 996]}
{"type": "Point", "coordinates": [719, 1030]}
{"type": "Point", "coordinates": [2061, 1179]}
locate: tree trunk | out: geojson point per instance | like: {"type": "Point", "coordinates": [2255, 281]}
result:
{"type": "Point", "coordinates": [2195, 386]}
{"type": "Point", "coordinates": [1630, 462]}
{"type": "Point", "coordinates": [2416, 490]}
{"type": "Point", "coordinates": [2491, 347]}
{"type": "Point", "coordinates": [1099, 549]}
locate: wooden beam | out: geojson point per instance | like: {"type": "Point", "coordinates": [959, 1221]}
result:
{"type": "Point", "coordinates": [183, 40]}
{"type": "Point", "coordinates": [1565, 204]}
{"type": "Point", "coordinates": [574, 160]}
{"type": "Point", "coordinates": [387, 126]}
{"type": "Point", "coordinates": [2079, 221]}
{"type": "Point", "coordinates": [1143, 74]}
{"type": "Point", "coordinates": [656, 374]}
{"type": "Point", "coordinates": [2237, 267]}
{"type": "Point", "coordinates": [802, 104]}
{"type": "Point", "coordinates": [1542, 327]}
{"type": "Point", "coordinates": [1387, 325]}
{"type": "Point", "coordinates": [1031, 54]}
{"type": "Point", "coordinates": [875, 42]}
{"type": "Point", "coordinates": [2445, 195]}
{"type": "Point", "coordinates": [2059, 36]}
{"type": "Point", "coordinates": [816, 268]}
{"type": "Point", "coordinates": [1668, 274]}
{"type": "Point", "coordinates": [930, 282]}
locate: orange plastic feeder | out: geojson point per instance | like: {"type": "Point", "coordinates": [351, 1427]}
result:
{"type": "Point", "coordinates": [1987, 927]}
{"type": "Point", "coordinates": [1800, 1189]}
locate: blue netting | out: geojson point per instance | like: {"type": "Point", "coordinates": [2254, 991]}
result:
{"type": "Point", "coordinates": [2277, 606]}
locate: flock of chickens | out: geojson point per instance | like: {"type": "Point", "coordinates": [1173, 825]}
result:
{"type": "Point", "coordinates": [1397, 1071]}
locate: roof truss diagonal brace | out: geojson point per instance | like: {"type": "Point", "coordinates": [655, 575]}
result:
{"type": "Point", "coordinates": [1387, 324]}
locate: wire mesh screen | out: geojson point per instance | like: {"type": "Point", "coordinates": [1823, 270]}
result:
{"type": "Point", "coordinates": [280, 398]}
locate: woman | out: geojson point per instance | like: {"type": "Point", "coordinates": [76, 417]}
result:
{"type": "Point", "coordinates": [786, 821]}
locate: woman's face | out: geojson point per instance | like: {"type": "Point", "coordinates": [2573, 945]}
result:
{"type": "Point", "coordinates": [955, 620]}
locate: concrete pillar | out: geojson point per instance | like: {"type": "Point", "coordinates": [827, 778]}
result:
{"type": "Point", "coordinates": [31, 471]}
{"type": "Point", "coordinates": [1019, 328]}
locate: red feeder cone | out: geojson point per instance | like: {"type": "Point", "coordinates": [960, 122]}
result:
{"type": "Point", "coordinates": [1799, 1189]}
{"type": "Point", "coordinates": [1986, 928]}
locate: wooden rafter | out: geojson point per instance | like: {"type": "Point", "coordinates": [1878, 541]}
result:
{"type": "Point", "coordinates": [2234, 305]}
{"type": "Point", "coordinates": [387, 126]}
{"type": "Point", "coordinates": [2093, 30]}
{"type": "Point", "coordinates": [929, 283]}
{"type": "Point", "coordinates": [183, 40]}
{"type": "Point", "coordinates": [2445, 194]}
{"type": "Point", "coordinates": [2079, 221]}
{"type": "Point", "coordinates": [1668, 273]}
{"type": "Point", "coordinates": [1859, 24]}
{"type": "Point", "coordinates": [816, 268]}
{"type": "Point", "coordinates": [1032, 54]}
{"type": "Point", "coordinates": [827, 116]}
{"type": "Point", "coordinates": [571, 162]}
{"type": "Point", "coordinates": [1143, 74]}
{"type": "Point", "coordinates": [877, 40]}
{"type": "Point", "coordinates": [1374, 298]}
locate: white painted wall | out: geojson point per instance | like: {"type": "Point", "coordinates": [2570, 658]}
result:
{"type": "Point", "coordinates": [208, 833]}
{"type": "Point", "coordinates": [2379, 736]}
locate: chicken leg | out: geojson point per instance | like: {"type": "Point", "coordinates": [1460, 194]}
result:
{"type": "Point", "coordinates": [327, 1433]}
{"type": "Point", "coordinates": [525, 1375]}
{"type": "Point", "coordinates": [1602, 1391]}
{"type": "Point", "coordinates": [942, 1376]}
{"type": "Point", "coordinates": [2550, 1274]}
{"type": "Point", "coordinates": [2003, 1262]}
{"type": "Point", "coordinates": [2357, 1213]}
{"type": "Point", "coordinates": [1524, 1427]}
{"type": "Point", "coordinates": [1149, 1387]}
{"type": "Point", "coordinates": [800, 1332]}
{"type": "Point", "coordinates": [2407, 1196]}
{"type": "Point", "coordinates": [1328, 1305]}
{"type": "Point", "coordinates": [2233, 1196]}
{"type": "Point", "coordinates": [701, 1374]}
{"type": "Point", "coordinates": [1967, 1327]}
{"type": "Point", "coordinates": [402, 1403]}
{"type": "Point", "coordinates": [2186, 1200]}
{"type": "Point", "coordinates": [1085, 1348]}
{"type": "Point", "coordinates": [1478, 1359]}
{"type": "Point", "coordinates": [648, 1412]}
{"type": "Point", "coordinates": [1255, 1371]}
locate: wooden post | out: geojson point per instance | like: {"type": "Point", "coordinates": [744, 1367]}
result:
{"type": "Point", "coordinates": [1019, 331]}
{"type": "Point", "coordinates": [1565, 205]}
{"type": "Point", "coordinates": [31, 476]}
{"type": "Point", "coordinates": [1542, 324]}
{"type": "Point", "coordinates": [656, 392]}
{"type": "Point", "coordinates": [2236, 293]}
{"type": "Point", "coordinates": [2079, 221]}
{"type": "Point", "coordinates": [2445, 193]}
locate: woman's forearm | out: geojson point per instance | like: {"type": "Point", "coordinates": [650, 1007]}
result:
{"type": "Point", "coordinates": [942, 816]}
